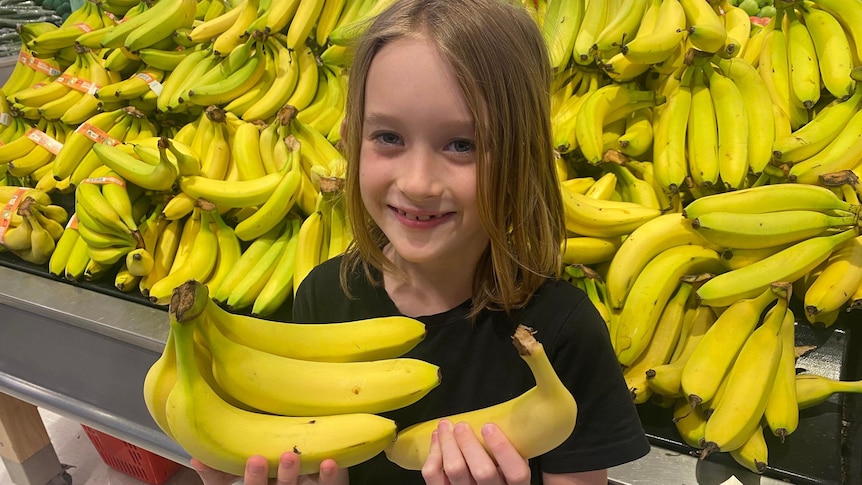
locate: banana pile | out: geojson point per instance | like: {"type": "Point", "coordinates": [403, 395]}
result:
{"type": "Point", "coordinates": [239, 378]}
{"type": "Point", "coordinates": [704, 155]}
{"type": "Point", "coordinates": [30, 224]}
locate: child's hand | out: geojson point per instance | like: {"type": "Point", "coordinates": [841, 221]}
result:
{"type": "Point", "coordinates": [458, 457]}
{"type": "Point", "coordinates": [257, 469]}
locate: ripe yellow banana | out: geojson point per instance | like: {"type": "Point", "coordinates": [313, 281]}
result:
{"type": "Point", "coordinates": [641, 246]}
{"type": "Point", "coordinates": [786, 265]}
{"type": "Point", "coordinates": [815, 135]}
{"type": "Point", "coordinates": [534, 422]}
{"type": "Point", "coordinates": [804, 69]}
{"type": "Point", "coordinates": [754, 453]}
{"type": "Point", "coordinates": [665, 379]}
{"type": "Point", "coordinates": [760, 231]}
{"type": "Point", "coordinates": [702, 135]}
{"type": "Point", "coordinates": [813, 389]}
{"type": "Point", "coordinates": [689, 422]}
{"type": "Point", "coordinates": [223, 436]}
{"type": "Point", "coordinates": [651, 291]}
{"type": "Point", "coordinates": [769, 198]}
{"type": "Point", "coordinates": [761, 121]}
{"type": "Point", "coordinates": [706, 31]}
{"type": "Point", "coordinates": [589, 250]}
{"type": "Point", "coordinates": [274, 383]}
{"type": "Point", "coordinates": [659, 43]}
{"type": "Point", "coordinates": [838, 280]}
{"type": "Point", "coordinates": [669, 135]}
{"type": "Point", "coordinates": [841, 154]}
{"type": "Point", "coordinates": [560, 27]}
{"type": "Point", "coordinates": [713, 356]}
{"type": "Point", "coordinates": [587, 216]}
{"type": "Point", "coordinates": [834, 52]}
{"type": "Point", "coordinates": [159, 177]}
{"type": "Point", "coordinates": [732, 123]}
{"type": "Point", "coordinates": [245, 291]}
{"type": "Point", "coordinates": [749, 384]}
{"type": "Point", "coordinates": [198, 265]}
{"type": "Point", "coordinates": [665, 338]}
{"type": "Point", "coordinates": [782, 411]}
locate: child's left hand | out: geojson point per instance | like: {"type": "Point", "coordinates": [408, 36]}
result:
{"type": "Point", "coordinates": [458, 457]}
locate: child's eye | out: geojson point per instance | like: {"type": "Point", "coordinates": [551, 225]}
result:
{"type": "Point", "coordinates": [462, 146]}
{"type": "Point", "coordinates": [388, 138]}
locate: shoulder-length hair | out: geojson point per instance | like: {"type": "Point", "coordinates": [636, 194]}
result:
{"type": "Point", "coordinates": [500, 60]}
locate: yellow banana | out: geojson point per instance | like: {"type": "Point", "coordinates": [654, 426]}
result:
{"type": "Point", "coordinates": [815, 135]}
{"type": "Point", "coordinates": [813, 389]}
{"type": "Point", "coordinates": [587, 216]}
{"type": "Point", "coordinates": [749, 384]}
{"type": "Point", "coordinates": [754, 453]}
{"type": "Point", "coordinates": [196, 414]}
{"type": "Point", "coordinates": [802, 56]}
{"type": "Point", "coordinates": [834, 52]}
{"type": "Point", "coordinates": [273, 383]}
{"type": "Point", "coordinates": [650, 292]}
{"type": "Point", "coordinates": [760, 231]}
{"type": "Point", "coordinates": [782, 411]}
{"type": "Point", "coordinates": [840, 277]}
{"type": "Point", "coordinates": [713, 356]}
{"type": "Point", "coordinates": [706, 31]}
{"type": "Point", "coordinates": [643, 245]}
{"type": "Point", "coordinates": [665, 379]}
{"type": "Point", "coordinates": [659, 43]}
{"type": "Point", "coordinates": [663, 341]}
{"type": "Point", "coordinates": [732, 123]}
{"type": "Point", "coordinates": [532, 432]}
{"type": "Point", "coordinates": [786, 265]}
{"type": "Point", "coordinates": [769, 198]}
{"type": "Point", "coordinates": [560, 27]}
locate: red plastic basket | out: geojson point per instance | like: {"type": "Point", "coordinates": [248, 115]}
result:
{"type": "Point", "coordinates": [130, 459]}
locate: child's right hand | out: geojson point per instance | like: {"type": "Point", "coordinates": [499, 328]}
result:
{"type": "Point", "coordinates": [257, 469]}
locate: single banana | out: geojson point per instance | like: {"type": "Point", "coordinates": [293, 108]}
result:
{"type": "Point", "coordinates": [589, 250]}
{"type": "Point", "coordinates": [560, 27]}
{"type": "Point", "coordinates": [534, 422]}
{"type": "Point", "coordinates": [774, 69]}
{"type": "Point", "coordinates": [272, 383]}
{"type": "Point", "coordinates": [198, 265]}
{"type": "Point", "coordinates": [804, 68]}
{"type": "Point", "coordinates": [642, 246]}
{"type": "Point", "coordinates": [754, 453]}
{"type": "Point", "coordinates": [786, 265]}
{"type": "Point", "coordinates": [638, 137]}
{"type": "Point", "coordinates": [815, 135]}
{"type": "Point", "coordinates": [813, 389]}
{"type": "Point", "coordinates": [587, 216]}
{"type": "Point", "coordinates": [840, 277]}
{"type": "Point", "coordinates": [749, 385]}
{"type": "Point", "coordinates": [761, 122]}
{"type": "Point", "coordinates": [64, 247]}
{"type": "Point", "coordinates": [841, 154]}
{"type": "Point", "coordinates": [308, 248]}
{"type": "Point", "coordinates": [245, 291]}
{"type": "Point", "coordinates": [689, 423]}
{"type": "Point", "coordinates": [229, 252]}
{"type": "Point", "coordinates": [782, 411]}
{"type": "Point", "coordinates": [706, 31]}
{"type": "Point", "coordinates": [594, 19]}
{"type": "Point", "coordinates": [702, 135]}
{"type": "Point", "coordinates": [283, 198]}
{"type": "Point", "coordinates": [196, 414]}
{"type": "Point", "coordinates": [163, 255]}
{"type": "Point", "coordinates": [732, 123]}
{"type": "Point", "coordinates": [650, 292]}
{"type": "Point", "coordinates": [666, 379]}
{"type": "Point", "coordinates": [662, 343]}
{"type": "Point", "coordinates": [235, 35]}
{"type": "Point", "coordinates": [849, 16]}
{"type": "Point", "coordinates": [159, 177]}
{"type": "Point", "coordinates": [658, 44]}
{"type": "Point", "coordinates": [760, 231]}
{"type": "Point", "coordinates": [713, 356]}
{"type": "Point", "coordinates": [834, 52]}
{"type": "Point", "coordinates": [769, 198]}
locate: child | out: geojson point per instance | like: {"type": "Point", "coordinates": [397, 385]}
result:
{"type": "Point", "coordinates": [458, 220]}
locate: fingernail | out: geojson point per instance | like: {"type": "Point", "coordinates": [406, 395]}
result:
{"type": "Point", "coordinates": [444, 425]}
{"type": "Point", "coordinates": [487, 430]}
{"type": "Point", "coordinates": [255, 469]}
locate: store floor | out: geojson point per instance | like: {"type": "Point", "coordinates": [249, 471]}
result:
{"type": "Point", "coordinates": [86, 467]}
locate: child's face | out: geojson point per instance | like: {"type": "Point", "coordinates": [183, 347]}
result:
{"type": "Point", "coordinates": [417, 169]}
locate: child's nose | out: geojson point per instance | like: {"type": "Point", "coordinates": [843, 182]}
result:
{"type": "Point", "coordinates": [421, 175]}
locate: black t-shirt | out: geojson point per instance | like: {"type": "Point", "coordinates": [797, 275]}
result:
{"type": "Point", "coordinates": [480, 367]}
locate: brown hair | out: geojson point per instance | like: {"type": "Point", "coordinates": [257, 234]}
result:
{"type": "Point", "coordinates": [500, 60]}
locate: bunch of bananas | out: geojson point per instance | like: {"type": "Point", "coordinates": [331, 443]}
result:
{"type": "Point", "coordinates": [196, 390]}
{"type": "Point", "coordinates": [30, 225]}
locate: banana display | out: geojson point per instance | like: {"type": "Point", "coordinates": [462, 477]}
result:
{"type": "Point", "coordinates": [707, 151]}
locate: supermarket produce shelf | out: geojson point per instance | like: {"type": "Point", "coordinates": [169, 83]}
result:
{"type": "Point", "coordinates": [82, 350]}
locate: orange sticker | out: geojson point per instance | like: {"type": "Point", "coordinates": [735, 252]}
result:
{"type": "Point", "coordinates": [9, 211]}
{"type": "Point", "coordinates": [44, 141]}
{"type": "Point", "coordinates": [105, 180]}
{"type": "Point", "coordinates": [96, 134]}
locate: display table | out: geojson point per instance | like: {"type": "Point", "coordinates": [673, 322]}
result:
{"type": "Point", "coordinates": [84, 354]}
